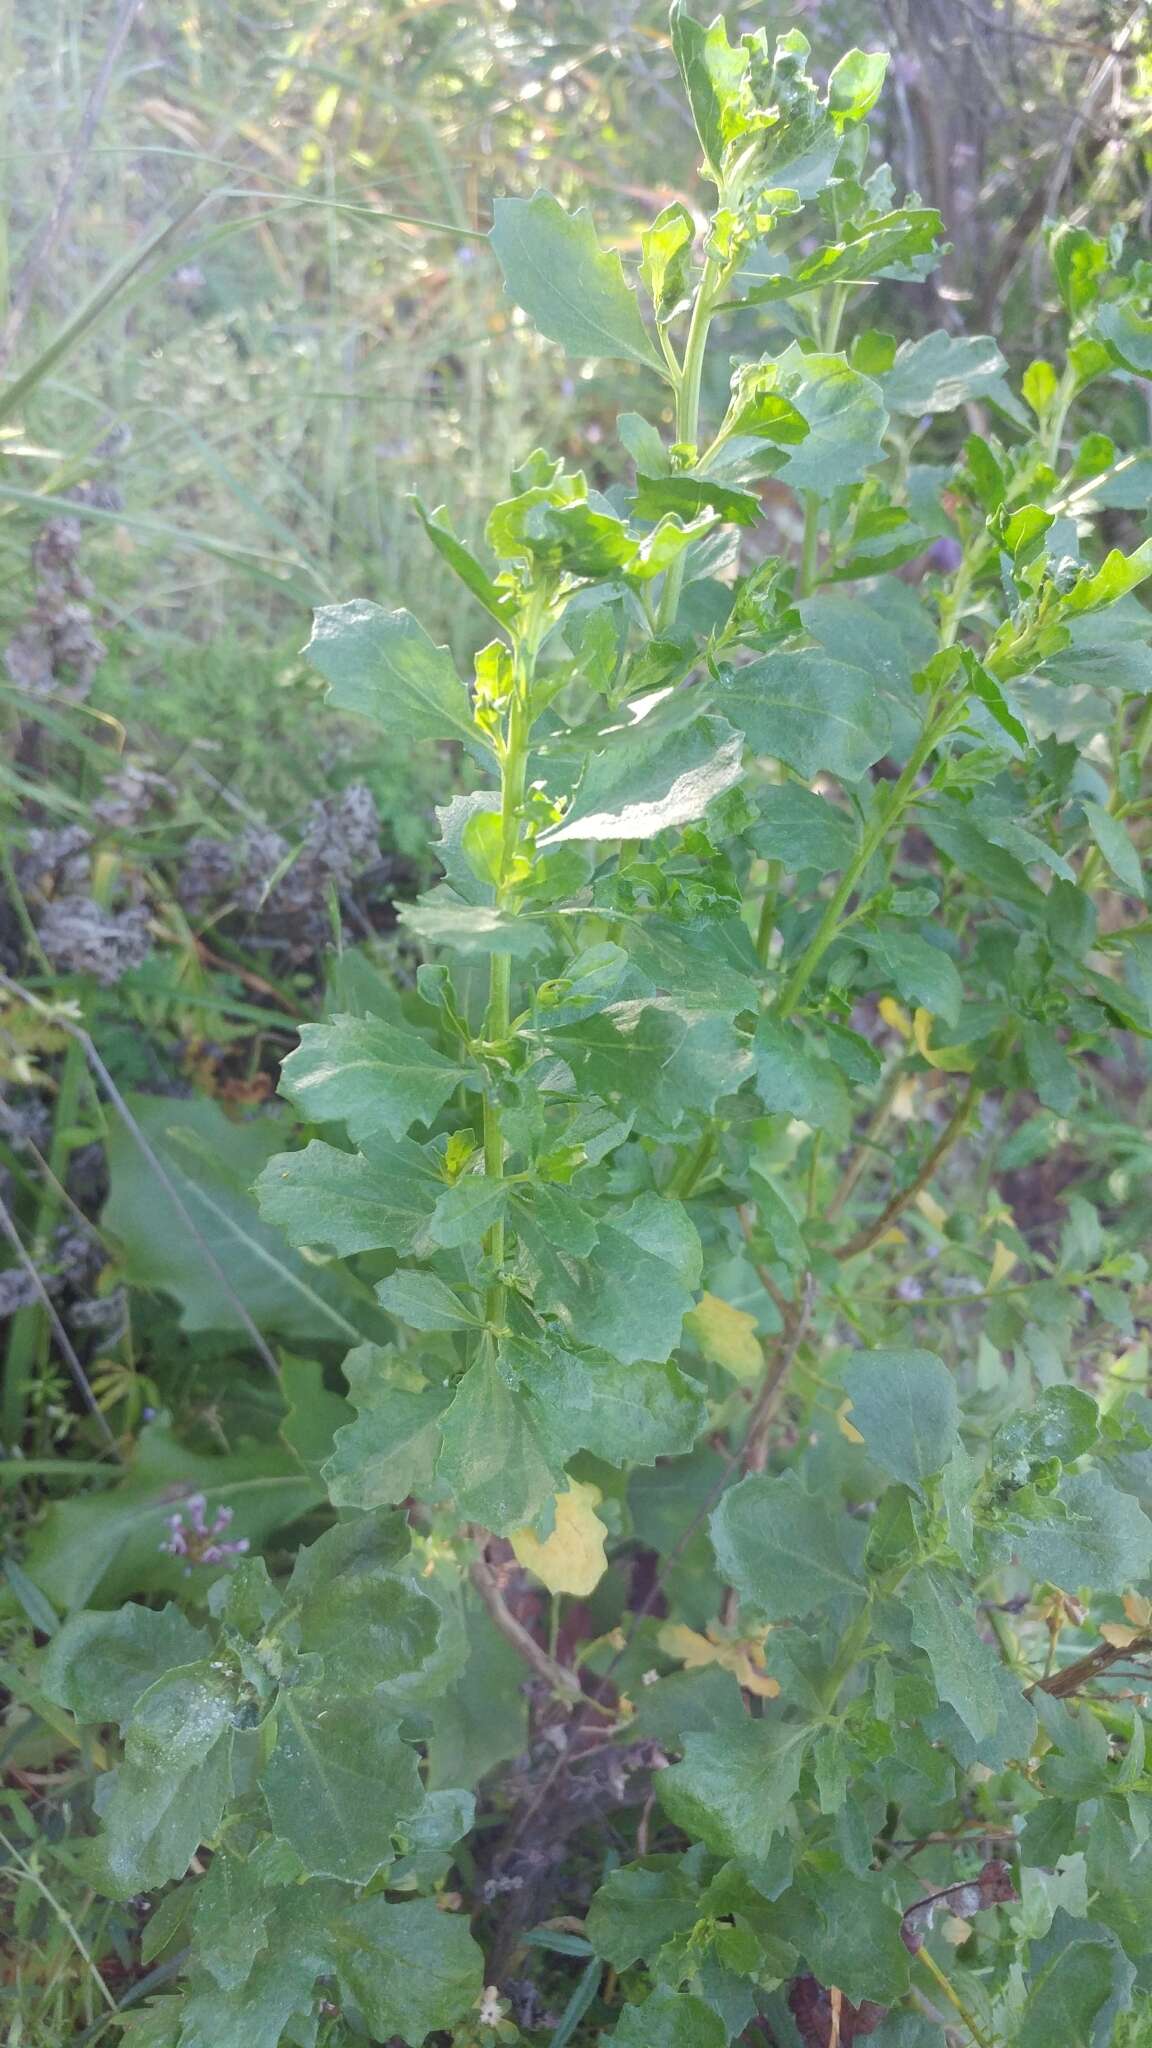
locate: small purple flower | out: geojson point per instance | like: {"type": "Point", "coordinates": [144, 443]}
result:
{"type": "Point", "coordinates": [909, 1289]}
{"type": "Point", "coordinates": [195, 1540]}
{"type": "Point", "coordinates": [945, 555]}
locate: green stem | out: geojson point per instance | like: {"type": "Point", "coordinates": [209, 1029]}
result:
{"type": "Point", "coordinates": [691, 1168]}
{"type": "Point", "coordinates": [767, 920]}
{"type": "Point", "coordinates": [498, 1015]}
{"type": "Point", "coordinates": [688, 416]}
{"type": "Point", "coordinates": [827, 337]}
{"type": "Point", "coordinates": [829, 925]}
{"type": "Point", "coordinates": [809, 547]}
{"type": "Point", "coordinates": [847, 1658]}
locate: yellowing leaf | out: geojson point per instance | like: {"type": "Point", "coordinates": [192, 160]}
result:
{"type": "Point", "coordinates": [906, 1100]}
{"type": "Point", "coordinates": [893, 1236]}
{"type": "Point", "coordinates": [1114, 1385]}
{"type": "Point", "coordinates": [1004, 1260]}
{"type": "Point", "coordinates": [846, 1428]}
{"type": "Point", "coordinates": [1118, 1636]}
{"type": "Point", "coordinates": [951, 1059]}
{"type": "Point", "coordinates": [744, 1657]}
{"type": "Point", "coordinates": [930, 1208]}
{"type": "Point", "coordinates": [1138, 1610]}
{"type": "Point", "coordinates": [572, 1558]}
{"type": "Point", "coordinates": [727, 1336]}
{"type": "Point", "coordinates": [896, 1017]}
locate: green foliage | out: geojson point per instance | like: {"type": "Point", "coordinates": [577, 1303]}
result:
{"type": "Point", "coordinates": [664, 1049]}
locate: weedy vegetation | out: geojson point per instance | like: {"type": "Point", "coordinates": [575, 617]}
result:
{"type": "Point", "coordinates": [686, 1578]}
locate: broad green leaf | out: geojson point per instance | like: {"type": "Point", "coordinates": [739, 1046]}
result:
{"type": "Point", "coordinates": [465, 1211]}
{"type": "Point", "coordinates": [390, 1451]}
{"type": "Point", "coordinates": [942, 372]}
{"type": "Point", "coordinates": [98, 1665]}
{"type": "Point", "coordinates": [905, 1407]}
{"type": "Point", "coordinates": [793, 1080]}
{"type": "Point", "coordinates": [169, 1793]}
{"type": "Point", "coordinates": [846, 420]}
{"type": "Point", "coordinates": [373, 1625]}
{"type": "Point", "coordinates": [851, 1937]}
{"type": "Point", "coordinates": [666, 267]}
{"type": "Point", "coordinates": [854, 86]}
{"type": "Point", "coordinates": [338, 1783]}
{"type": "Point", "coordinates": [663, 1061]}
{"type": "Point", "coordinates": [921, 974]}
{"type": "Point", "coordinates": [734, 1787]}
{"type": "Point", "coordinates": [713, 72]}
{"type": "Point", "coordinates": [375, 1078]}
{"type": "Point", "coordinates": [491, 1460]}
{"type": "Point", "coordinates": [1116, 576]}
{"type": "Point", "coordinates": [410, 1969]}
{"type": "Point", "coordinates": [424, 1302]}
{"type": "Point", "coordinates": [1064, 1423]}
{"type": "Point", "coordinates": [669, 2019]}
{"type": "Point", "coordinates": [1104, 1540]}
{"type": "Point", "coordinates": [688, 496]}
{"type": "Point", "coordinates": [278, 1990]}
{"type": "Point", "coordinates": [501, 603]}
{"type": "Point", "coordinates": [1050, 1070]}
{"type": "Point", "coordinates": [872, 249]}
{"type": "Point", "coordinates": [572, 290]}
{"type": "Point", "coordinates": [786, 1552]}
{"type": "Point", "coordinates": [965, 1668]}
{"type": "Point", "coordinates": [1127, 334]}
{"type": "Point", "coordinates": [232, 1911]}
{"type": "Point", "coordinates": [808, 711]}
{"type": "Point", "coordinates": [802, 829]}
{"type": "Point", "coordinates": [628, 1294]}
{"type": "Point", "coordinates": [1116, 846]}
{"type": "Point", "coordinates": [346, 1202]}
{"type": "Point", "coordinates": [315, 1413]}
{"type": "Point", "coordinates": [627, 1414]}
{"type": "Point", "coordinates": [1078, 1983]}
{"type": "Point", "coordinates": [639, 1908]}
{"type": "Point", "coordinates": [211, 1164]}
{"type": "Point", "coordinates": [107, 1544]}
{"type": "Point", "coordinates": [653, 785]}
{"type": "Point", "coordinates": [758, 407]}
{"type": "Point", "coordinates": [708, 963]}
{"type": "Point", "coordinates": [481, 1719]}
{"type": "Point", "coordinates": [962, 840]}
{"type": "Point", "coordinates": [383, 665]}
{"type": "Point", "coordinates": [443, 919]}
{"type": "Point", "coordinates": [869, 639]}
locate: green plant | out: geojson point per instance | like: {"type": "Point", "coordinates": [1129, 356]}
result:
{"type": "Point", "coordinates": [779, 905]}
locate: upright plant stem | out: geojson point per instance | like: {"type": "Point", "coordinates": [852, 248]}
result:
{"type": "Point", "coordinates": [688, 418]}
{"type": "Point", "coordinates": [498, 1016]}
{"type": "Point", "coordinates": [873, 839]}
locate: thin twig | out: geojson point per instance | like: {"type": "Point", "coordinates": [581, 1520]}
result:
{"type": "Point", "coordinates": [754, 1455]}
{"type": "Point", "coordinates": [159, 1169]}
{"type": "Point", "coordinates": [897, 1203]}
{"type": "Point", "coordinates": [48, 234]}
{"type": "Point", "coordinates": [556, 1676]}
{"type": "Point", "coordinates": [1061, 1683]}
{"type": "Point", "coordinates": [64, 1342]}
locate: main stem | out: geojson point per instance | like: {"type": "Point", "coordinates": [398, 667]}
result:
{"type": "Point", "coordinates": [873, 839]}
{"type": "Point", "coordinates": [498, 1015]}
{"type": "Point", "coordinates": [688, 418]}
